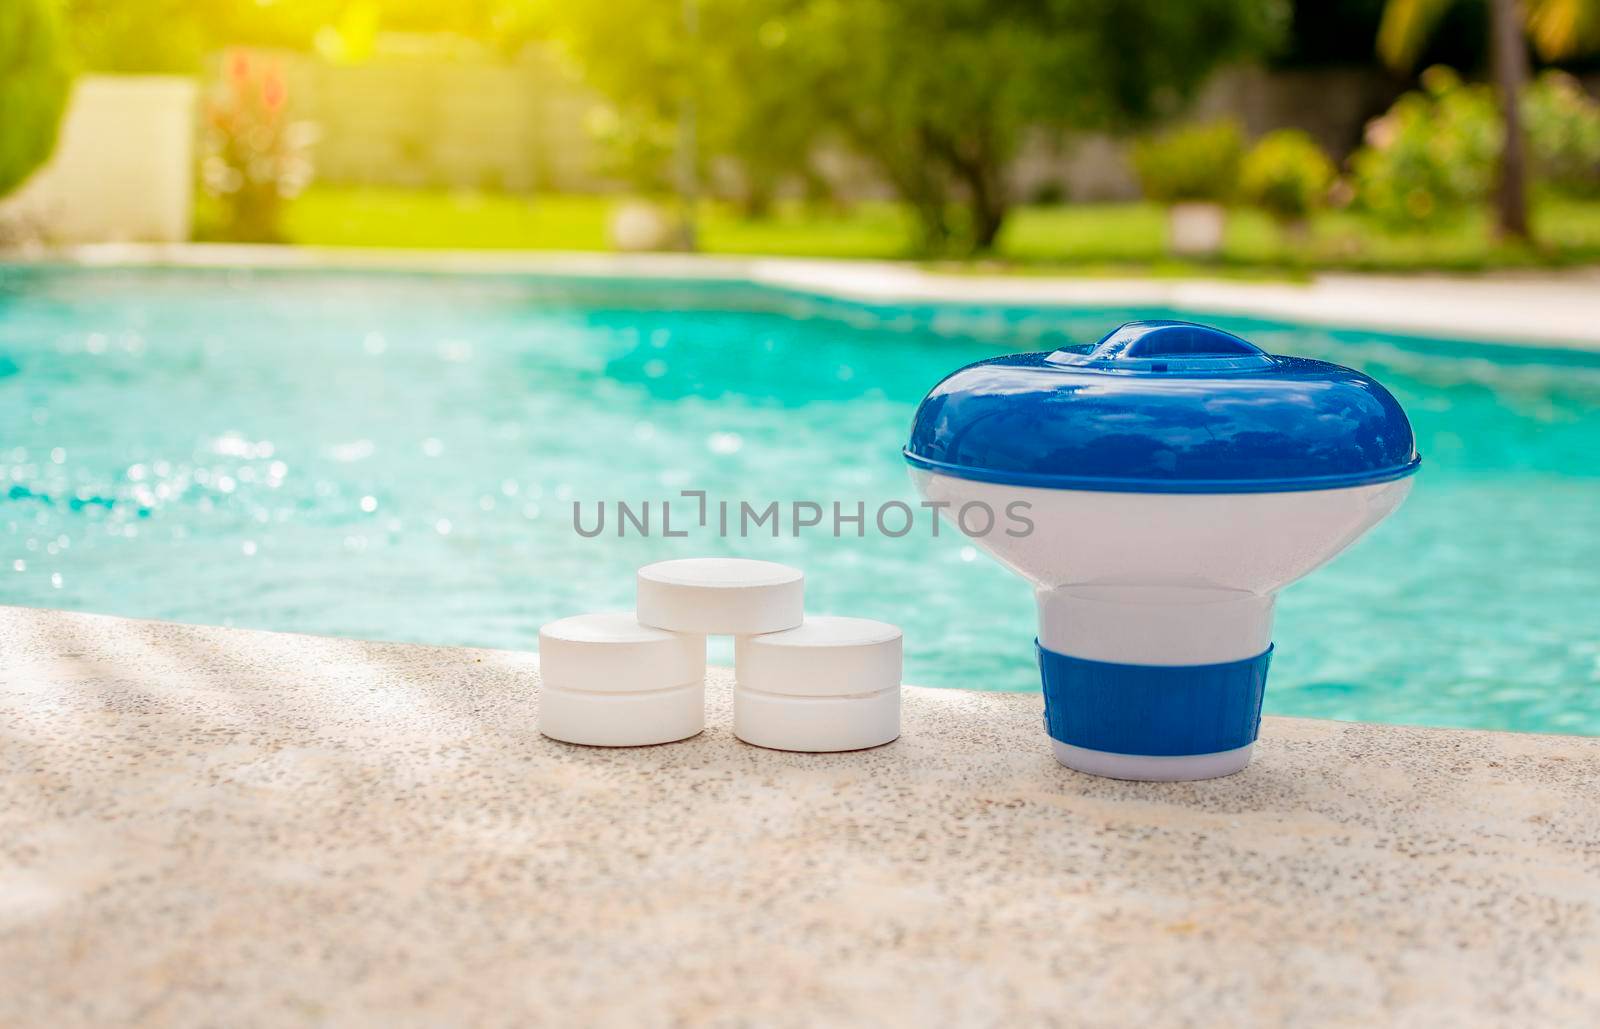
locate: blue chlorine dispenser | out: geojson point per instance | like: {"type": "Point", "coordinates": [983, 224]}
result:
{"type": "Point", "coordinates": [1176, 477]}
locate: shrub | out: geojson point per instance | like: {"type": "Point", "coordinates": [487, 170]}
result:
{"type": "Point", "coordinates": [1564, 133]}
{"type": "Point", "coordinates": [1431, 154]}
{"type": "Point", "coordinates": [255, 158]}
{"type": "Point", "coordinates": [1050, 193]}
{"type": "Point", "coordinates": [1436, 151]}
{"type": "Point", "coordinates": [1286, 174]}
{"type": "Point", "coordinates": [34, 81]}
{"type": "Point", "coordinates": [1195, 162]}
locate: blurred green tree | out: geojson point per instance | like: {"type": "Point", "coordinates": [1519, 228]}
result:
{"type": "Point", "coordinates": [34, 79]}
{"type": "Point", "coordinates": [1559, 29]}
{"type": "Point", "coordinates": [176, 36]}
{"type": "Point", "coordinates": [938, 95]}
{"type": "Point", "coordinates": [141, 36]}
{"type": "Point", "coordinates": [722, 78]}
{"type": "Point", "coordinates": [942, 94]}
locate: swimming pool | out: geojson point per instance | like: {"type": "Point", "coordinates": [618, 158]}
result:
{"type": "Point", "coordinates": [396, 456]}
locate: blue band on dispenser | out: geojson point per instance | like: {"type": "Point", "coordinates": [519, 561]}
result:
{"type": "Point", "coordinates": [1153, 710]}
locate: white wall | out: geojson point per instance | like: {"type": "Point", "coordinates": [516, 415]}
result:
{"type": "Point", "coordinates": [123, 168]}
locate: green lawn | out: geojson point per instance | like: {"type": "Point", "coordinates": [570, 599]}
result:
{"type": "Point", "coordinates": [1077, 238]}
{"type": "Point", "coordinates": [404, 218]}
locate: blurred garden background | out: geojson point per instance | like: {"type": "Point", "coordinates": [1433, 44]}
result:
{"type": "Point", "coordinates": [1236, 136]}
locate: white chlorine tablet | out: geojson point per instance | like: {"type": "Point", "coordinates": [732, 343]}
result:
{"type": "Point", "coordinates": [831, 684]}
{"type": "Point", "coordinates": [608, 681]}
{"type": "Point", "coordinates": [612, 651]}
{"type": "Point", "coordinates": [722, 596]}
{"type": "Point", "coordinates": [623, 719]}
{"type": "Point", "coordinates": [816, 725]}
{"type": "Point", "coordinates": [825, 655]}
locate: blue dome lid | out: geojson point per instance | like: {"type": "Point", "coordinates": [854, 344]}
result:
{"type": "Point", "coordinates": [1163, 407]}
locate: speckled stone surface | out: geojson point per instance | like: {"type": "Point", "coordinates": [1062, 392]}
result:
{"type": "Point", "coordinates": [206, 826]}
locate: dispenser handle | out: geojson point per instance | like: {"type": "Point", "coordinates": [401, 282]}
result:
{"type": "Point", "coordinates": [1162, 345]}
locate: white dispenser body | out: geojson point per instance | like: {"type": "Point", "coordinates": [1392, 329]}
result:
{"type": "Point", "coordinates": [1175, 579]}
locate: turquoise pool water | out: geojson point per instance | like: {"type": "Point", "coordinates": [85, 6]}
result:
{"type": "Point", "coordinates": [396, 456]}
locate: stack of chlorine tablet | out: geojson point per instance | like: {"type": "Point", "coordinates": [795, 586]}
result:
{"type": "Point", "coordinates": [610, 682]}
{"type": "Point", "coordinates": [814, 684]}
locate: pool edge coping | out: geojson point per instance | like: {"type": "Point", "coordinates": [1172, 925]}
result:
{"type": "Point", "coordinates": [245, 825]}
{"type": "Point", "coordinates": [1540, 310]}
